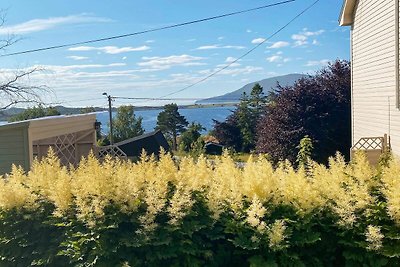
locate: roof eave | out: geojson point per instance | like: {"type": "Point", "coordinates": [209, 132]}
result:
{"type": "Point", "coordinates": [347, 14]}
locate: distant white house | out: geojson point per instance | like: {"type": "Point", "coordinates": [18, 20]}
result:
{"type": "Point", "coordinates": [375, 71]}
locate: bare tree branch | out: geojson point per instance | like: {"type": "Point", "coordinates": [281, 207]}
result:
{"type": "Point", "coordinates": [16, 87]}
{"type": "Point", "coordinates": [11, 38]}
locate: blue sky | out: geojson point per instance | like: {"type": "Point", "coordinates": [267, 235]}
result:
{"type": "Point", "coordinates": [158, 63]}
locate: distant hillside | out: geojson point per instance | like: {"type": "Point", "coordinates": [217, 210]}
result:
{"type": "Point", "coordinates": [268, 85]}
{"type": "Point", "coordinates": [6, 114]}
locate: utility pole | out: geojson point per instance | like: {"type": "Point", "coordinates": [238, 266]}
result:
{"type": "Point", "coordinates": [110, 114]}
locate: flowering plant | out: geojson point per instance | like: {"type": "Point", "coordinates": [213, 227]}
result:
{"type": "Point", "coordinates": [198, 213]}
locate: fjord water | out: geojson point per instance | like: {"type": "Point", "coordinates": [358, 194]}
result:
{"type": "Point", "coordinates": [204, 116]}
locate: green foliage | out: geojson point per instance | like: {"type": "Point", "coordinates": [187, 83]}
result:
{"type": "Point", "coordinates": [305, 151]}
{"type": "Point", "coordinates": [238, 131]}
{"type": "Point", "coordinates": [171, 123]}
{"type": "Point", "coordinates": [126, 125]}
{"type": "Point", "coordinates": [35, 112]}
{"type": "Point", "coordinates": [30, 238]}
{"type": "Point", "coordinates": [87, 110]}
{"type": "Point", "coordinates": [246, 122]}
{"type": "Point", "coordinates": [190, 136]}
{"type": "Point", "coordinates": [318, 106]}
{"type": "Point", "coordinates": [41, 235]}
{"type": "Point", "coordinates": [197, 148]}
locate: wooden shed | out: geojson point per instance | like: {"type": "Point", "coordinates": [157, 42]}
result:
{"type": "Point", "coordinates": [150, 142]}
{"type": "Point", "coordinates": [71, 137]}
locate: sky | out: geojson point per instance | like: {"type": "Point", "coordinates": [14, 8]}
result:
{"type": "Point", "coordinates": [155, 64]}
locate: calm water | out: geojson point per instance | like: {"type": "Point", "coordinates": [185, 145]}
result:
{"type": "Point", "coordinates": [204, 116]}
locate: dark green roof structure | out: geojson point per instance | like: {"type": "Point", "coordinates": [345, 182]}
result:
{"type": "Point", "coordinates": [150, 142]}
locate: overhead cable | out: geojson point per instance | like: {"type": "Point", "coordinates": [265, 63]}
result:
{"type": "Point", "coordinates": [146, 31]}
{"type": "Point", "coordinates": [243, 55]}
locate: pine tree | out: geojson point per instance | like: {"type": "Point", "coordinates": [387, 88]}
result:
{"type": "Point", "coordinates": [171, 123]}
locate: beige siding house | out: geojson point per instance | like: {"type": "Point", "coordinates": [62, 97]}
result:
{"type": "Point", "coordinates": [70, 137]}
{"type": "Point", "coordinates": [375, 69]}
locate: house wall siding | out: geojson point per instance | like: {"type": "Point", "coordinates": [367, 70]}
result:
{"type": "Point", "coordinates": [374, 72]}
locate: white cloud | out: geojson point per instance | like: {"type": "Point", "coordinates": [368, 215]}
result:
{"type": "Point", "coordinates": [258, 41]}
{"type": "Point", "coordinates": [301, 38]}
{"type": "Point", "coordinates": [230, 65]}
{"type": "Point", "coordinates": [221, 38]}
{"type": "Point", "coordinates": [110, 49]}
{"type": "Point", "coordinates": [230, 59]}
{"type": "Point", "coordinates": [248, 31]}
{"type": "Point", "coordinates": [77, 57]}
{"type": "Point", "coordinates": [274, 58]}
{"type": "Point", "coordinates": [278, 44]}
{"type": "Point", "coordinates": [161, 63]}
{"type": "Point", "coordinates": [191, 40]}
{"type": "Point", "coordinates": [308, 33]}
{"type": "Point", "coordinates": [232, 71]}
{"type": "Point", "coordinates": [36, 25]}
{"type": "Point", "coordinates": [278, 58]}
{"type": "Point", "coordinates": [124, 58]}
{"type": "Point", "coordinates": [61, 68]}
{"type": "Point", "coordinates": [150, 41]}
{"type": "Point", "coordinates": [313, 63]}
{"type": "Point", "coordinates": [208, 47]}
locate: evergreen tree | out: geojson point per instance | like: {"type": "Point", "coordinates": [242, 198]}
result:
{"type": "Point", "coordinates": [245, 120]}
{"type": "Point", "coordinates": [257, 100]}
{"type": "Point", "coordinates": [171, 123]}
{"type": "Point", "coordinates": [126, 125]}
{"type": "Point", "coordinates": [239, 129]}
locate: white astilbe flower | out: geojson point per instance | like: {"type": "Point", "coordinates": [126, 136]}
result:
{"type": "Point", "coordinates": [180, 203]}
{"type": "Point", "coordinates": [374, 237]}
{"type": "Point", "coordinates": [276, 235]}
{"type": "Point", "coordinates": [255, 214]}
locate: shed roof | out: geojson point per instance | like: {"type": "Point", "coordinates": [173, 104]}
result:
{"type": "Point", "coordinates": [347, 14]}
{"type": "Point", "coordinates": [53, 125]}
{"type": "Point", "coordinates": [150, 142]}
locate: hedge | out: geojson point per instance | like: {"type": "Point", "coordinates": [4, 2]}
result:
{"type": "Point", "coordinates": [197, 213]}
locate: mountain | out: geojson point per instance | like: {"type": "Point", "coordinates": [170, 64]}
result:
{"type": "Point", "coordinates": [267, 84]}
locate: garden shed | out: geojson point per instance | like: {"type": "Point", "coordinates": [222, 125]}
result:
{"type": "Point", "coordinates": [150, 142]}
{"type": "Point", "coordinates": [212, 148]}
{"type": "Point", "coordinates": [71, 137]}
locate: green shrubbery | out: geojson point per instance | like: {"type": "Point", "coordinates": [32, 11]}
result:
{"type": "Point", "coordinates": [155, 213]}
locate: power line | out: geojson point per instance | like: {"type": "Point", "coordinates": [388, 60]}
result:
{"type": "Point", "coordinates": [147, 31]}
{"type": "Point", "coordinates": [243, 55]}
{"type": "Point", "coordinates": [170, 99]}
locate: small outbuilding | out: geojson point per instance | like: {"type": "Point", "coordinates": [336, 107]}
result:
{"type": "Point", "coordinates": [212, 148]}
{"type": "Point", "coordinates": [150, 142]}
{"type": "Point", "coordinates": [71, 137]}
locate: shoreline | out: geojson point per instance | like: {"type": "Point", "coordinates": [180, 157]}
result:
{"type": "Point", "coordinates": [4, 117]}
